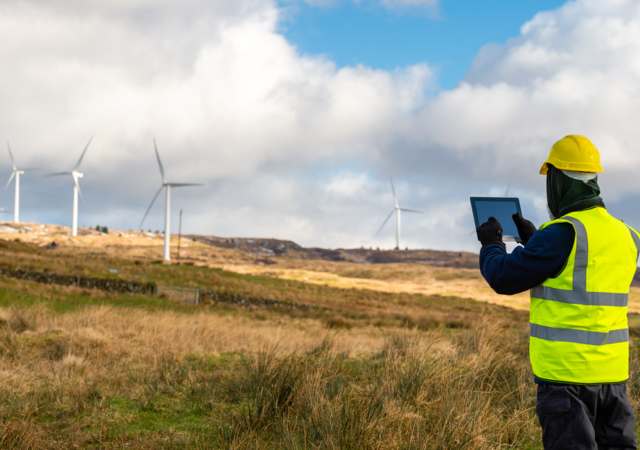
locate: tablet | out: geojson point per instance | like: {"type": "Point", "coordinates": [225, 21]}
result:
{"type": "Point", "coordinates": [502, 208]}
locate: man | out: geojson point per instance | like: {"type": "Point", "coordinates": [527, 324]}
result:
{"type": "Point", "coordinates": [579, 268]}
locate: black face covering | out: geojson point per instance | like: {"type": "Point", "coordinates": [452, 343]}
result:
{"type": "Point", "coordinates": [565, 195]}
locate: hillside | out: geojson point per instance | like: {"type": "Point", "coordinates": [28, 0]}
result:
{"type": "Point", "coordinates": [266, 248]}
{"type": "Point", "coordinates": [422, 272]}
{"type": "Point", "coordinates": [297, 348]}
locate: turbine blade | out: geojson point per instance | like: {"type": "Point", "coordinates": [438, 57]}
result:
{"type": "Point", "coordinates": [82, 156]}
{"type": "Point", "coordinates": [75, 181]}
{"type": "Point", "coordinates": [395, 199]}
{"type": "Point", "coordinates": [13, 174]}
{"type": "Point", "coordinates": [57, 174]}
{"type": "Point", "coordinates": [149, 208]}
{"type": "Point", "coordinates": [506, 194]}
{"type": "Point", "coordinates": [30, 169]}
{"type": "Point", "coordinates": [184, 184]}
{"type": "Point", "coordinates": [13, 162]}
{"type": "Point", "coordinates": [159, 162]}
{"type": "Point", "coordinates": [412, 210]}
{"type": "Point", "coordinates": [385, 221]}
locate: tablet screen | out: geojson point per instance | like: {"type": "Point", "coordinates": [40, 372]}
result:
{"type": "Point", "coordinates": [502, 208]}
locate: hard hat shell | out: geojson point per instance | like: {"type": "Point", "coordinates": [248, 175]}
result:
{"type": "Point", "coordinates": [575, 153]}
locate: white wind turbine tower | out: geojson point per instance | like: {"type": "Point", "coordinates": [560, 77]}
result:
{"type": "Point", "coordinates": [76, 189]}
{"type": "Point", "coordinates": [397, 210]}
{"type": "Point", "coordinates": [16, 173]}
{"type": "Point", "coordinates": [167, 210]}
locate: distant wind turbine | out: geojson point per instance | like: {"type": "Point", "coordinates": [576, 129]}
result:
{"type": "Point", "coordinates": [167, 211]}
{"type": "Point", "coordinates": [76, 189]}
{"type": "Point", "coordinates": [506, 194]}
{"type": "Point", "coordinates": [397, 210]}
{"type": "Point", "coordinates": [16, 173]}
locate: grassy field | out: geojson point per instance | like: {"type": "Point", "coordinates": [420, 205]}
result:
{"type": "Point", "coordinates": [96, 250]}
{"type": "Point", "coordinates": [367, 369]}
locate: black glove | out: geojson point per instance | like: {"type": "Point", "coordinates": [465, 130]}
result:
{"type": "Point", "coordinates": [490, 231]}
{"type": "Point", "coordinates": [525, 228]}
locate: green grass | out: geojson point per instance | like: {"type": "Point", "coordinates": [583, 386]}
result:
{"type": "Point", "coordinates": [62, 300]}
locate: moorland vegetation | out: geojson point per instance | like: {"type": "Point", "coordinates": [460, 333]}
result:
{"type": "Point", "coordinates": [83, 368]}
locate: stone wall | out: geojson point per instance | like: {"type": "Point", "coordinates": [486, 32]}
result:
{"type": "Point", "coordinates": [249, 301]}
{"type": "Point", "coordinates": [103, 284]}
{"type": "Point", "coordinates": [150, 288]}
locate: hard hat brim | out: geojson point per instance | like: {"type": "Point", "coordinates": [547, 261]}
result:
{"type": "Point", "coordinates": [573, 167]}
{"type": "Point", "coordinates": [544, 169]}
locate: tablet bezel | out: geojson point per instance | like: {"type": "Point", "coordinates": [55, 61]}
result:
{"type": "Point", "coordinates": [494, 199]}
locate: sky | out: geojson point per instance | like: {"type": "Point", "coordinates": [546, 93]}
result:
{"type": "Point", "coordinates": [295, 114]}
{"type": "Point", "coordinates": [446, 36]}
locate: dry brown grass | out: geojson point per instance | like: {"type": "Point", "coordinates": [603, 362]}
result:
{"type": "Point", "coordinates": [69, 364]}
{"type": "Point", "coordinates": [276, 383]}
{"type": "Point", "coordinates": [96, 335]}
{"type": "Point", "coordinates": [102, 377]}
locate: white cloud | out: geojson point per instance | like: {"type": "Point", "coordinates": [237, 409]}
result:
{"type": "Point", "coordinates": [289, 145]}
{"type": "Point", "coordinates": [229, 101]}
{"type": "Point", "coordinates": [574, 70]}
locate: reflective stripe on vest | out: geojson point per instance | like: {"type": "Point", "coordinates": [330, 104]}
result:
{"type": "Point", "coordinates": [583, 298]}
{"type": "Point", "coordinates": [578, 336]}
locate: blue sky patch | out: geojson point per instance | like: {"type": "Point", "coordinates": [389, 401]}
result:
{"type": "Point", "coordinates": [363, 33]}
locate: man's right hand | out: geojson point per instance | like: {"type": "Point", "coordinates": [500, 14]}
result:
{"type": "Point", "coordinates": [489, 231]}
{"type": "Point", "coordinates": [525, 228]}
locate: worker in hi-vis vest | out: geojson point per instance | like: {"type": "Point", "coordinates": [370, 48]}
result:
{"type": "Point", "coordinates": [579, 267]}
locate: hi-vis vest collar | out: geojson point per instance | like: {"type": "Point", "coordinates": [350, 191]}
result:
{"type": "Point", "coordinates": [579, 334]}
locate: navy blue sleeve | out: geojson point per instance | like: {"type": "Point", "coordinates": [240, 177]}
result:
{"type": "Point", "coordinates": [526, 267]}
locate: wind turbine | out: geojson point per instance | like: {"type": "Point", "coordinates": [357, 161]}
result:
{"type": "Point", "coordinates": [16, 173]}
{"type": "Point", "coordinates": [167, 210]}
{"type": "Point", "coordinates": [506, 193]}
{"type": "Point", "coordinates": [76, 189]}
{"type": "Point", "coordinates": [397, 210]}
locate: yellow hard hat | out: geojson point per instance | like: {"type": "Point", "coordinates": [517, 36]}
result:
{"type": "Point", "coordinates": [575, 153]}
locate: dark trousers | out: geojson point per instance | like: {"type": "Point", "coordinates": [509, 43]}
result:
{"type": "Point", "coordinates": [586, 417]}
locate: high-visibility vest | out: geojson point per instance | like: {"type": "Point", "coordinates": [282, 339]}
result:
{"type": "Point", "coordinates": [578, 320]}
